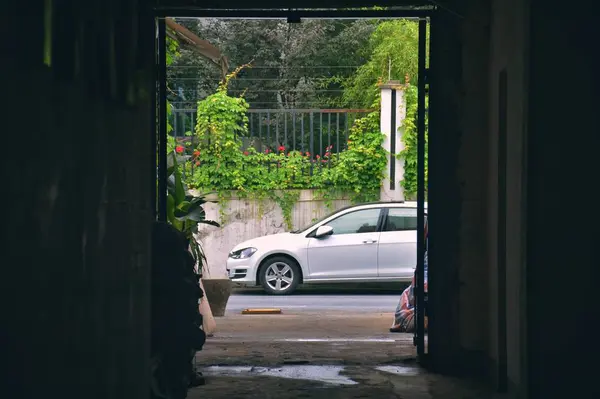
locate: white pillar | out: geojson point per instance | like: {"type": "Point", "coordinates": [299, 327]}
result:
{"type": "Point", "coordinates": [393, 112]}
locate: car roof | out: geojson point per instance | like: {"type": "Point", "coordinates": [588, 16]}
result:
{"type": "Point", "coordinates": [391, 204]}
{"type": "Point", "coordinates": [383, 204]}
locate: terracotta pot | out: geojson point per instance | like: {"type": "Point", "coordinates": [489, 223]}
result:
{"type": "Point", "coordinates": [217, 293]}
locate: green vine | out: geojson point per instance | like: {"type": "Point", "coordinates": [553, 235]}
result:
{"type": "Point", "coordinates": [219, 163]}
{"type": "Point", "coordinates": [409, 138]}
{"type": "Point", "coordinates": [286, 200]}
{"type": "Point", "coordinates": [224, 199]}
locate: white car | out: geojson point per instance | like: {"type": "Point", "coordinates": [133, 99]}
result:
{"type": "Point", "coordinates": [374, 242]}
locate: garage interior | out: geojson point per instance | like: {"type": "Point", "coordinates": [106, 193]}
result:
{"type": "Point", "coordinates": [511, 84]}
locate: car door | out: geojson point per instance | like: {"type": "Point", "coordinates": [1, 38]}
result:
{"type": "Point", "coordinates": [351, 251]}
{"type": "Point", "coordinates": [397, 248]}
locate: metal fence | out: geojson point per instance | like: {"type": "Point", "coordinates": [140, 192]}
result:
{"type": "Point", "coordinates": [306, 130]}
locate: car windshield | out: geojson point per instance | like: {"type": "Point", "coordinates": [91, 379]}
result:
{"type": "Point", "coordinates": [308, 226]}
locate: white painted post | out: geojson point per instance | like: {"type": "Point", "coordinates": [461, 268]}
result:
{"type": "Point", "coordinates": [393, 112]}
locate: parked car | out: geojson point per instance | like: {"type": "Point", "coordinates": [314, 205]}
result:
{"type": "Point", "coordinates": [375, 242]}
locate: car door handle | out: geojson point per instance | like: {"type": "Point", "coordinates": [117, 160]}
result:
{"type": "Point", "coordinates": [369, 241]}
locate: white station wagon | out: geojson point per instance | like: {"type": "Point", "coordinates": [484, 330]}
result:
{"type": "Point", "coordinates": [375, 242]}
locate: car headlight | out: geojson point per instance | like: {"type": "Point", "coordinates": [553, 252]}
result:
{"type": "Point", "coordinates": [242, 253]}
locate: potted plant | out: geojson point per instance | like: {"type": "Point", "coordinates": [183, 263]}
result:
{"type": "Point", "coordinates": [185, 212]}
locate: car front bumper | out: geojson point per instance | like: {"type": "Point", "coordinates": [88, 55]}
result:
{"type": "Point", "coordinates": [242, 271]}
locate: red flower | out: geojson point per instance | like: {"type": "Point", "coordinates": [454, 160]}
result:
{"type": "Point", "coordinates": [329, 148]}
{"type": "Point", "coordinates": [246, 153]}
{"type": "Point", "coordinates": [196, 153]}
{"type": "Point", "coordinates": [179, 149]}
{"type": "Point", "coordinates": [318, 156]}
{"type": "Point", "coordinates": [281, 148]}
{"type": "Point", "coordinates": [327, 154]}
{"type": "Point", "coordinates": [307, 154]}
{"type": "Point", "coordinates": [324, 161]}
{"type": "Point", "coordinates": [267, 151]}
{"type": "Point", "coordinates": [197, 163]}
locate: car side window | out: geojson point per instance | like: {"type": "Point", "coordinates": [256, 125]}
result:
{"type": "Point", "coordinates": [401, 219]}
{"type": "Point", "coordinates": [363, 221]}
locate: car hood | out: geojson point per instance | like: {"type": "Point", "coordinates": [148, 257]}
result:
{"type": "Point", "coordinates": [265, 242]}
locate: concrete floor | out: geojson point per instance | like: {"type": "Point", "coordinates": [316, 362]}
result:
{"type": "Point", "coordinates": [316, 337]}
{"type": "Point", "coordinates": [327, 354]}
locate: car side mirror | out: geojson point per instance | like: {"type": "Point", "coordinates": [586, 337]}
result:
{"type": "Point", "coordinates": [323, 231]}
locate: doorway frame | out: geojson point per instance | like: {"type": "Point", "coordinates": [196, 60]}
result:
{"type": "Point", "coordinates": [422, 15]}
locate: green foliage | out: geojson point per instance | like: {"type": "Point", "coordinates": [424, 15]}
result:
{"type": "Point", "coordinates": [171, 56]}
{"type": "Point", "coordinates": [409, 137]}
{"type": "Point", "coordinates": [184, 210]}
{"type": "Point", "coordinates": [221, 120]}
{"type": "Point", "coordinates": [286, 199]}
{"type": "Point", "coordinates": [392, 53]}
{"type": "Point", "coordinates": [218, 162]}
{"type": "Point", "coordinates": [172, 50]}
{"type": "Point", "coordinates": [360, 169]}
{"type": "Point", "coordinates": [294, 60]}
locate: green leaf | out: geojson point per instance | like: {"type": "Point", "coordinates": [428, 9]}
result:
{"type": "Point", "coordinates": [170, 208]}
{"type": "Point", "coordinates": [179, 189]}
{"type": "Point", "coordinates": [197, 215]}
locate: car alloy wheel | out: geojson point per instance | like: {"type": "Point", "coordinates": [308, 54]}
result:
{"type": "Point", "coordinates": [279, 276]}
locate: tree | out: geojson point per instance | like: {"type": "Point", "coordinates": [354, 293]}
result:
{"type": "Point", "coordinates": [293, 63]}
{"type": "Point", "coordinates": [392, 54]}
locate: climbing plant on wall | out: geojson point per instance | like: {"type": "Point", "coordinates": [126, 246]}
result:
{"type": "Point", "coordinates": [409, 137]}
{"type": "Point", "coordinates": [218, 162]}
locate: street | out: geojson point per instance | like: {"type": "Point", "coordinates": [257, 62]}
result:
{"type": "Point", "coordinates": [316, 300]}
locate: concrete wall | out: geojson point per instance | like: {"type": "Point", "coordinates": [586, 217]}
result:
{"type": "Point", "coordinates": [250, 218]}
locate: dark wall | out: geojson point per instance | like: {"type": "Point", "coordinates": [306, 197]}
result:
{"type": "Point", "coordinates": [77, 202]}
{"type": "Point", "coordinates": [550, 262]}
{"type": "Point", "coordinates": [445, 138]}
{"type": "Point", "coordinates": [458, 144]}
{"type": "Point", "coordinates": [562, 258]}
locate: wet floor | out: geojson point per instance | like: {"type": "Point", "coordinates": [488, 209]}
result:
{"type": "Point", "coordinates": [318, 355]}
{"type": "Point", "coordinates": [330, 382]}
{"type": "Point", "coordinates": [325, 374]}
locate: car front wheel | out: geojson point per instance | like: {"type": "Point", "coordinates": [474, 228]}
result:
{"type": "Point", "coordinates": [280, 276]}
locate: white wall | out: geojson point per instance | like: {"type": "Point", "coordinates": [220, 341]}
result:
{"type": "Point", "coordinates": [248, 218]}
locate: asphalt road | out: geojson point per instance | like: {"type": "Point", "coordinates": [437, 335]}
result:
{"type": "Point", "coordinates": [317, 300]}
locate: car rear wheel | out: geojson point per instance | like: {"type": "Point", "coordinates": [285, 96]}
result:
{"type": "Point", "coordinates": [280, 276]}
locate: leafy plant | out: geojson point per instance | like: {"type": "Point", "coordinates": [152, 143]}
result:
{"type": "Point", "coordinates": [360, 169]}
{"type": "Point", "coordinates": [221, 120]}
{"type": "Point", "coordinates": [392, 54]}
{"type": "Point", "coordinates": [184, 210]}
{"type": "Point", "coordinates": [219, 163]}
{"type": "Point", "coordinates": [409, 138]}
